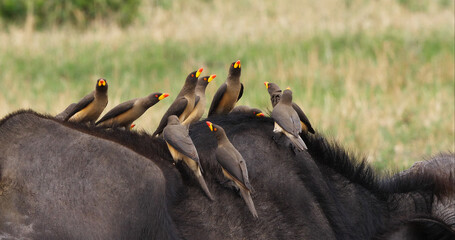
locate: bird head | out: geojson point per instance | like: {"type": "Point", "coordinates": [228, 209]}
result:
{"type": "Point", "coordinates": [101, 85]}
{"type": "Point", "coordinates": [193, 76]}
{"type": "Point", "coordinates": [235, 68]}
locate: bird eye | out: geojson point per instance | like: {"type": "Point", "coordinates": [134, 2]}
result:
{"type": "Point", "coordinates": [232, 64]}
{"type": "Point", "coordinates": [214, 129]}
{"type": "Point", "coordinates": [156, 95]}
{"type": "Point", "coordinates": [192, 75]}
{"type": "Point", "coordinates": [205, 79]}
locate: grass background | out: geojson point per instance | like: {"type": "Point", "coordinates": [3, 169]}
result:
{"type": "Point", "coordinates": [378, 76]}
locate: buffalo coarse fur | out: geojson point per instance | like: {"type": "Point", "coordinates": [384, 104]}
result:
{"type": "Point", "coordinates": [62, 180]}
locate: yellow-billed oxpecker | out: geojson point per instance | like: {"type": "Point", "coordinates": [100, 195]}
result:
{"type": "Point", "coordinates": [275, 96]}
{"type": "Point", "coordinates": [247, 110]}
{"type": "Point", "coordinates": [200, 102]}
{"type": "Point", "coordinates": [181, 148]}
{"type": "Point", "coordinates": [233, 165]}
{"type": "Point", "coordinates": [184, 103]}
{"type": "Point", "coordinates": [125, 113]}
{"type": "Point", "coordinates": [89, 108]}
{"type": "Point", "coordinates": [228, 93]}
{"type": "Point", "coordinates": [287, 120]}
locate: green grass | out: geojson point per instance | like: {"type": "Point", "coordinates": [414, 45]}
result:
{"type": "Point", "coordinates": [387, 94]}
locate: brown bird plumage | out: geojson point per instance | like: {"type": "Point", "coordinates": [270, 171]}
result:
{"type": "Point", "coordinates": [287, 120]}
{"type": "Point", "coordinates": [247, 110]}
{"type": "Point", "coordinates": [183, 104]}
{"type": "Point", "coordinates": [181, 147]}
{"type": "Point", "coordinates": [200, 102]}
{"type": "Point", "coordinates": [275, 96]}
{"type": "Point", "coordinates": [125, 113]}
{"type": "Point", "coordinates": [233, 165]}
{"type": "Point", "coordinates": [228, 93]}
{"type": "Point", "coordinates": [90, 107]}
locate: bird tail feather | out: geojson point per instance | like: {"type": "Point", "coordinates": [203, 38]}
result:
{"type": "Point", "coordinates": [249, 202]}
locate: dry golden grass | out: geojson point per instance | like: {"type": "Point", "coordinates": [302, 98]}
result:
{"type": "Point", "coordinates": [392, 102]}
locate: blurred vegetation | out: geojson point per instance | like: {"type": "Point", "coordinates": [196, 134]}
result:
{"type": "Point", "coordinates": [76, 12]}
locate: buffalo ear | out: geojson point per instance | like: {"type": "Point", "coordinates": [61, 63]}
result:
{"type": "Point", "coordinates": [418, 229]}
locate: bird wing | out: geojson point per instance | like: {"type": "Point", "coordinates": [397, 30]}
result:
{"type": "Point", "coordinates": [275, 98]}
{"type": "Point", "coordinates": [217, 98]}
{"type": "Point", "coordinates": [303, 117]}
{"type": "Point", "coordinates": [287, 118]}
{"type": "Point", "coordinates": [65, 112]}
{"type": "Point", "coordinates": [241, 92]}
{"type": "Point", "coordinates": [228, 160]}
{"type": "Point", "coordinates": [176, 108]}
{"type": "Point", "coordinates": [117, 110]}
{"type": "Point", "coordinates": [84, 102]}
{"type": "Point", "coordinates": [196, 100]}
{"type": "Point", "coordinates": [177, 136]}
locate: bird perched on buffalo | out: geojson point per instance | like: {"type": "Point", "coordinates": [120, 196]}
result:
{"type": "Point", "coordinates": [242, 109]}
{"type": "Point", "coordinates": [275, 96]}
{"type": "Point", "coordinates": [233, 165]}
{"type": "Point", "coordinates": [181, 147]}
{"type": "Point", "coordinates": [200, 102]}
{"type": "Point", "coordinates": [90, 107]}
{"type": "Point", "coordinates": [125, 113]}
{"type": "Point", "coordinates": [287, 121]}
{"type": "Point", "coordinates": [183, 104]}
{"type": "Point", "coordinates": [228, 93]}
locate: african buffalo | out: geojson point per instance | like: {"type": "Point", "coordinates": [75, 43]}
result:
{"type": "Point", "coordinates": [61, 180]}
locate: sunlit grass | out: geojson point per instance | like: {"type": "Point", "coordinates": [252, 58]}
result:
{"type": "Point", "coordinates": [378, 77]}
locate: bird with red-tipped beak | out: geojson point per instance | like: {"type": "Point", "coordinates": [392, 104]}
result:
{"type": "Point", "coordinates": [228, 93]}
{"type": "Point", "coordinates": [127, 112]}
{"type": "Point", "coordinates": [287, 120]}
{"type": "Point", "coordinates": [233, 165]}
{"type": "Point", "coordinates": [275, 96]}
{"type": "Point", "coordinates": [181, 148]}
{"type": "Point", "coordinates": [90, 107]}
{"type": "Point", "coordinates": [183, 105]}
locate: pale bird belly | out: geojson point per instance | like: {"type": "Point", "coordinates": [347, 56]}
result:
{"type": "Point", "coordinates": [195, 115]}
{"type": "Point", "coordinates": [226, 104]}
{"type": "Point", "coordinates": [187, 111]}
{"type": "Point", "coordinates": [128, 117]}
{"type": "Point", "coordinates": [176, 155]}
{"type": "Point", "coordinates": [89, 113]}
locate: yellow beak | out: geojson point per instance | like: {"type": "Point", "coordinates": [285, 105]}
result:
{"type": "Point", "coordinates": [266, 85]}
{"type": "Point", "coordinates": [213, 76]}
{"type": "Point", "coordinates": [101, 82]}
{"type": "Point", "coordinates": [210, 125]}
{"type": "Point", "coordinates": [260, 115]}
{"type": "Point", "coordinates": [163, 96]}
{"type": "Point", "coordinates": [198, 73]}
{"type": "Point", "coordinates": [237, 64]}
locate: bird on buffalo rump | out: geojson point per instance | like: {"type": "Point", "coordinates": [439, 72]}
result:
{"type": "Point", "coordinates": [275, 96]}
{"type": "Point", "coordinates": [242, 109]}
{"type": "Point", "coordinates": [181, 148]}
{"type": "Point", "coordinates": [183, 104]}
{"type": "Point", "coordinates": [90, 107]}
{"type": "Point", "coordinates": [233, 165]}
{"type": "Point", "coordinates": [287, 120]}
{"type": "Point", "coordinates": [200, 101]}
{"type": "Point", "coordinates": [125, 113]}
{"type": "Point", "coordinates": [228, 93]}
